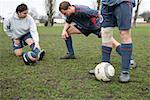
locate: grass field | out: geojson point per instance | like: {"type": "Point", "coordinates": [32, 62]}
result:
{"type": "Point", "coordinates": [55, 79]}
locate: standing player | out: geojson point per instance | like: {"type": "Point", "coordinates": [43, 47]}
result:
{"type": "Point", "coordinates": [21, 29]}
{"type": "Point", "coordinates": [117, 13]}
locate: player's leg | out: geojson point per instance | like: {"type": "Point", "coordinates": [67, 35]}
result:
{"type": "Point", "coordinates": [35, 47]}
{"type": "Point", "coordinates": [17, 47]}
{"type": "Point", "coordinates": [107, 43]}
{"type": "Point", "coordinates": [108, 24]}
{"type": "Point", "coordinates": [123, 14]}
{"type": "Point", "coordinates": [71, 30]}
{"type": "Point", "coordinates": [126, 52]}
{"type": "Point", "coordinates": [117, 46]}
{"type": "Point", "coordinates": [106, 33]}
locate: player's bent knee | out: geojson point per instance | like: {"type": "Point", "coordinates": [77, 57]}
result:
{"type": "Point", "coordinates": [18, 53]}
{"type": "Point", "coordinates": [29, 41]}
{"type": "Point", "coordinates": [73, 30]}
{"type": "Point", "coordinates": [107, 34]}
{"type": "Point", "coordinates": [126, 36]}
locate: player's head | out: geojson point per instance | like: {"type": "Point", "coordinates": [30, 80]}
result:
{"type": "Point", "coordinates": [66, 8]}
{"type": "Point", "coordinates": [22, 10]}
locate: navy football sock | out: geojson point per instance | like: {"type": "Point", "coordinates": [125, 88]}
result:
{"type": "Point", "coordinates": [126, 52]}
{"type": "Point", "coordinates": [69, 46]}
{"type": "Point", "coordinates": [32, 46]}
{"type": "Point", "coordinates": [118, 50]}
{"type": "Point", "coordinates": [106, 51]}
{"type": "Point", "coordinates": [34, 49]}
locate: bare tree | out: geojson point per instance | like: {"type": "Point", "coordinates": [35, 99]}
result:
{"type": "Point", "coordinates": [146, 16]}
{"type": "Point", "coordinates": [136, 12]}
{"type": "Point", "coordinates": [50, 12]}
{"type": "Point", "coordinates": [98, 4]}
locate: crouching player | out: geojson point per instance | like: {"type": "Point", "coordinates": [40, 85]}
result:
{"type": "Point", "coordinates": [22, 30]}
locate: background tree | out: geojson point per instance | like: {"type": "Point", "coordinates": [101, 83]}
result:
{"type": "Point", "coordinates": [136, 12]}
{"type": "Point", "coordinates": [50, 11]}
{"type": "Point", "coordinates": [98, 4]}
{"type": "Point", "coordinates": [146, 16]}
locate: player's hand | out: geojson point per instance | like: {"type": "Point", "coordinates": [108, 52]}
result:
{"type": "Point", "coordinates": [64, 35]}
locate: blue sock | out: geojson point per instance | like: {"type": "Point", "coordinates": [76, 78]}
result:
{"type": "Point", "coordinates": [35, 50]}
{"type": "Point", "coordinates": [118, 50]}
{"type": "Point", "coordinates": [126, 52]}
{"type": "Point", "coordinates": [32, 46]}
{"type": "Point", "coordinates": [106, 51]}
{"type": "Point", "coordinates": [69, 45]}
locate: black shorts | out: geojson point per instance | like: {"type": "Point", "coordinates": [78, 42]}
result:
{"type": "Point", "coordinates": [22, 41]}
{"type": "Point", "coordinates": [88, 32]}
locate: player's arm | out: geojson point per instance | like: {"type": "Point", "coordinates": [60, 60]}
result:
{"type": "Point", "coordinates": [64, 32]}
{"type": "Point", "coordinates": [33, 31]}
{"type": "Point", "coordinates": [7, 28]}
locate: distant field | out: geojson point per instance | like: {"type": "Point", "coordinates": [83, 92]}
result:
{"type": "Point", "coordinates": [55, 79]}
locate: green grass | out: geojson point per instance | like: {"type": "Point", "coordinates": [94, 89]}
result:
{"type": "Point", "coordinates": [54, 79]}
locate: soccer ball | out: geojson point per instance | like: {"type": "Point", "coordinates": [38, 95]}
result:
{"type": "Point", "coordinates": [29, 58]}
{"type": "Point", "coordinates": [104, 71]}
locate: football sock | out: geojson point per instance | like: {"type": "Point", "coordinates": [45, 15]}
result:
{"type": "Point", "coordinates": [34, 49]}
{"type": "Point", "coordinates": [69, 46]}
{"type": "Point", "coordinates": [126, 52]}
{"type": "Point", "coordinates": [106, 51]}
{"type": "Point", "coordinates": [118, 50]}
{"type": "Point", "coordinates": [32, 46]}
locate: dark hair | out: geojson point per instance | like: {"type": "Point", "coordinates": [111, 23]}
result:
{"type": "Point", "coordinates": [64, 5]}
{"type": "Point", "coordinates": [22, 7]}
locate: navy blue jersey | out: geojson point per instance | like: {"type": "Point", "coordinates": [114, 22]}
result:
{"type": "Point", "coordinates": [85, 17]}
{"type": "Point", "coordinates": [116, 2]}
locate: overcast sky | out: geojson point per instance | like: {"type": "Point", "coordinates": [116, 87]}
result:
{"type": "Point", "coordinates": [7, 7]}
{"type": "Point", "coordinates": [145, 5]}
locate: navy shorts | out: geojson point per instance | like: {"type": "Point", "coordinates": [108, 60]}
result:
{"type": "Point", "coordinates": [118, 15]}
{"type": "Point", "coordinates": [22, 41]}
{"type": "Point", "coordinates": [88, 32]}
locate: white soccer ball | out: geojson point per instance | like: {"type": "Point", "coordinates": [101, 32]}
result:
{"type": "Point", "coordinates": [104, 71]}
